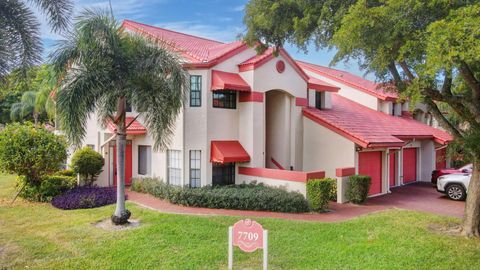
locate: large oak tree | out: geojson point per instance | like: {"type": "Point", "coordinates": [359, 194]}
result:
{"type": "Point", "coordinates": [430, 49]}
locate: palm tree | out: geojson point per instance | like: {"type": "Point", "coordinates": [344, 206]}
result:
{"type": "Point", "coordinates": [20, 43]}
{"type": "Point", "coordinates": [103, 68]}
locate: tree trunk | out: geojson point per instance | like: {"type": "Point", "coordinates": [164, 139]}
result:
{"type": "Point", "coordinates": [471, 219]}
{"type": "Point", "coordinates": [121, 215]}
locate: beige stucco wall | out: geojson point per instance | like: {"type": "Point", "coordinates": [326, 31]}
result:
{"type": "Point", "coordinates": [288, 185]}
{"type": "Point", "coordinates": [350, 92]}
{"type": "Point", "coordinates": [325, 150]}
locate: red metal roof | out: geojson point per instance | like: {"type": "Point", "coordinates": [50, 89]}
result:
{"type": "Point", "coordinates": [228, 151]}
{"type": "Point", "coordinates": [135, 127]}
{"type": "Point", "coordinates": [319, 85]}
{"type": "Point", "coordinates": [369, 128]}
{"type": "Point", "coordinates": [354, 81]}
{"type": "Point", "coordinates": [226, 80]}
{"type": "Point", "coordinates": [196, 50]}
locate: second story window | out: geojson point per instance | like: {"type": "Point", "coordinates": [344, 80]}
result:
{"type": "Point", "coordinates": [226, 99]}
{"type": "Point", "coordinates": [318, 100]}
{"type": "Point", "coordinates": [195, 91]}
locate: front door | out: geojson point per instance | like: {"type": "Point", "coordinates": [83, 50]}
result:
{"type": "Point", "coordinates": [370, 163]}
{"type": "Point", "coordinates": [128, 164]}
{"type": "Point", "coordinates": [409, 165]}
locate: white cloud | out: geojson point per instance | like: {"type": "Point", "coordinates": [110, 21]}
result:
{"type": "Point", "coordinates": [239, 8]}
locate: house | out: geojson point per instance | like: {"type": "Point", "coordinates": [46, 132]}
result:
{"type": "Point", "coordinates": [274, 120]}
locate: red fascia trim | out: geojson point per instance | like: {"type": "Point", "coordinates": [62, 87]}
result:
{"type": "Point", "coordinates": [418, 137]}
{"type": "Point", "coordinates": [323, 88]}
{"type": "Point", "coordinates": [377, 95]}
{"type": "Point", "coordinates": [385, 145]}
{"type": "Point", "coordinates": [216, 61]}
{"type": "Point", "coordinates": [301, 102]}
{"type": "Point", "coordinates": [252, 66]}
{"type": "Point", "coordinates": [294, 176]}
{"type": "Point", "coordinates": [335, 129]}
{"type": "Point", "coordinates": [250, 97]}
{"type": "Point", "coordinates": [342, 172]}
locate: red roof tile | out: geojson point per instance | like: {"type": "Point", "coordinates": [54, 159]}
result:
{"type": "Point", "coordinates": [135, 128]}
{"type": "Point", "coordinates": [369, 128]}
{"type": "Point", "coordinates": [194, 49]}
{"type": "Point", "coordinates": [354, 81]}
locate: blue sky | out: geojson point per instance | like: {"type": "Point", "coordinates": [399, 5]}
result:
{"type": "Point", "coordinates": [216, 19]}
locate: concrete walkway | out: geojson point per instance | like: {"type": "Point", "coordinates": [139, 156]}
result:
{"type": "Point", "coordinates": [418, 196]}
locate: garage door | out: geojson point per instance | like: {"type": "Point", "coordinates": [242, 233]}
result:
{"type": "Point", "coordinates": [370, 163]}
{"type": "Point", "coordinates": [393, 169]}
{"type": "Point", "coordinates": [409, 165]}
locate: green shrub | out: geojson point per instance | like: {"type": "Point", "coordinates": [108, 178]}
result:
{"type": "Point", "coordinates": [242, 197]}
{"type": "Point", "coordinates": [319, 193]}
{"type": "Point", "coordinates": [31, 152]}
{"type": "Point", "coordinates": [358, 187]}
{"type": "Point", "coordinates": [66, 172]}
{"type": "Point", "coordinates": [49, 187]}
{"type": "Point", "coordinates": [88, 163]}
{"type": "Point", "coordinates": [333, 193]}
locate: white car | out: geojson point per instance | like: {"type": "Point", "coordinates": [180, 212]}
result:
{"type": "Point", "coordinates": [455, 186]}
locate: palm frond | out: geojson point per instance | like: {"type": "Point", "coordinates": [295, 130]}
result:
{"type": "Point", "coordinates": [58, 12]}
{"type": "Point", "coordinates": [19, 35]}
{"type": "Point", "coordinates": [158, 87]}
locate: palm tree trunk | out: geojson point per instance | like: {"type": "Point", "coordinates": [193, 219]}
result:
{"type": "Point", "coordinates": [471, 220]}
{"type": "Point", "coordinates": [121, 215]}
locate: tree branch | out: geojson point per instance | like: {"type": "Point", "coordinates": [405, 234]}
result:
{"type": "Point", "coordinates": [407, 71]}
{"type": "Point", "coordinates": [443, 121]}
{"type": "Point", "coordinates": [133, 120]}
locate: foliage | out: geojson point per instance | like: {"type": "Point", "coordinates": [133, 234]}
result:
{"type": "Point", "coordinates": [242, 197]}
{"type": "Point", "coordinates": [66, 172]}
{"type": "Point", "coordinates": [85, 197]}
{"type": "Point", "coordinates": [88, 163]}
{"type": "Point", "coordinates": [50, 186]}
{"type": "Point", "coordinates": [429, 50]}
{"type": "Point", "coordinates": [171, 241]}
{"type": "Point", "coordinates": [333, 193]}
{"type": "Point", "coordinates": [358, 187]}
{"type": "Point", "coordinates": [319, 193]}
{"type": "Point", "coordinates": [20, 42]}
{"type": "Point", "coordinates": [154, 83]}
{"type": "Point", "coordinates": [31, 152]}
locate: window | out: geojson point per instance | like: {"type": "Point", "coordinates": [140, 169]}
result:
{"type": "Point", "coordinates": [92, 146]}
{"type": "Point", "coordinates": [195, 91]}
{"type": "Point", "coordinates": [174, 171]}
{"type": "Point", "coordinates": [144, 159]}
{"type": "Point", "coordinates": [195, 157]}
{"type": "Point", "coordinates": [393, 108]}
{"type": "Point", "coordinates": [318, 100]}
{"type": "Point", "coordinates": [128, 106]}
{"type": "Point", "coordinates": [226, 99]}
{"type": "Point", "coordinates": [223, 174]}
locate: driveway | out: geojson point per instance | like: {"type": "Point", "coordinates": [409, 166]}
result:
{"type": "Point", "coordinates": [420, 196]}
{"type": "Point", "coordinates": [417, 196]}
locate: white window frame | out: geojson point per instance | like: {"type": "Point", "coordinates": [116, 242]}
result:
{"type": "Point", "coordinates": [195, 165]}
{"type": "Point", "coordinates": [174, 167]}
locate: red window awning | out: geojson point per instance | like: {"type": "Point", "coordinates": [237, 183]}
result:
{"type": "Point", "coordinates": [319, 85]}
{"type": "Point", "coordinates": [135, 127]}
{"type": "Point", "coordinates": [228, 151]}
{"type": "Point", "coordinates": [225, 80]}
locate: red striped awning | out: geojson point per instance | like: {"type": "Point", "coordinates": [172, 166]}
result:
{"type": "Point", "coordinates": [228, 151]}
{"type": "Point", "coordinates": [225, 80]}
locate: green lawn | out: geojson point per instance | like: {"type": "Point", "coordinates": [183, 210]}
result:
{"type": "Point", "coordinates": [39, 236]}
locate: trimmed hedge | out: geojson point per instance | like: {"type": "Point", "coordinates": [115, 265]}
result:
{"type": "Point", "coordinates": [358, 187]}
{"type": "Point", "coordinates": [241, 197]}
{"type": "Point", "coordinates": [85, 197]}
{"type": "Point", "coordinates": [49, 187]}
{"type": "Point", "coordinates": [319, 192]}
